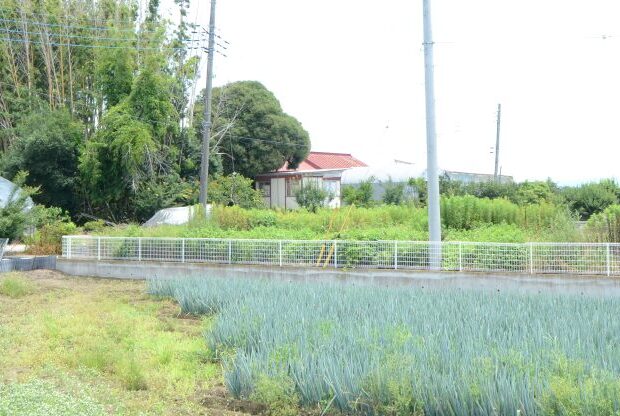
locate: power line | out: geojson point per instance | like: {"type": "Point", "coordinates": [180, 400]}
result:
{"type": "Point", "coordinates": [72, 36]}
{"type": "Point", "coordinates": [140, 48]}
{"type": "Point", "coordinates": [100, 28]}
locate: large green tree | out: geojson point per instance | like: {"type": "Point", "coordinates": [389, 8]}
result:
{"type": "Point", "coordinates": [47, 146]}
{"type": "Point", "coordinates": [251, 131]}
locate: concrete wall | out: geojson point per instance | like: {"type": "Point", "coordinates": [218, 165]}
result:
{"type": "Point", "coordinates": [578, 285]}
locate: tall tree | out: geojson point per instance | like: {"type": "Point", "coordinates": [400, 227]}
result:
{"type": "Point", "coordinates": [47, 146]}
{"type": "Point", "coordinates": [251, 131]}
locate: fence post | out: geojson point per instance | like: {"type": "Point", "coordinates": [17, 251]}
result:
{"type": "Point", "coordinates": [98, 248]}
{"type": "Point", "coordinates": [183, 250]}
{"type": "Point", "coordinates": [608, 260]}
{"type": "Point", "coordinates": [460, 256]}
{"type": "Point", "coordinates": [335, 254]}
{"type": "Point", "coordinates": [396, 255]}
{"type": "Point", "coordinates": [280, 251]}
{"type": "Point", "coordinates": [229, 251]}
{"type": "Point", "coordinates": [69, 239]}
{"type": "Point", "coordinates": [531, 258]}
{"type": "Point", "coordinates": [139, 248]}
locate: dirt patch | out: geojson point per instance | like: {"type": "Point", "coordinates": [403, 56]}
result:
{"type": "Point", "coordinates": [219, 398]}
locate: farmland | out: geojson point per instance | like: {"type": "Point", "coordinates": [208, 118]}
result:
{"type": "Point", "coordinates": [83, 346]}
{"type": "Point", "coordinates": [370, 350]}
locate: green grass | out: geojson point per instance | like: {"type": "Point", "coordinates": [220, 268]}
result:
{"type": "Point", "coordinates": [15, 286]}
{"type": "Point", "coordinates": [133, 354]}
{"type": "Point", "coordinates": [43, 398]}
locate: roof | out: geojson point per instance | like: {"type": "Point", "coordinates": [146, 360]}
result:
{"type": "Point", "coordinates": [325, 160]}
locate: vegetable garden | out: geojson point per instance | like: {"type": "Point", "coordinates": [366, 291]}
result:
{"type": "Point", "coordinates": [370, 350]}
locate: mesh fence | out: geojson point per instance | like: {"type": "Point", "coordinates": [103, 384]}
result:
{"type": "Point", "coordinates": [532, 258]}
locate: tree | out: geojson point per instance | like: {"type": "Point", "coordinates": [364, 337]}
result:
{"type": "Point", "coordinates": [47, 147]}
{"type": "Point", "coordinates": [251, 131]}
{"type": "Point", "coordinates": [237, 190]}
{"type": "Point", "coordinates": [361, 195]}
{"type": "Point", "coordinates": [591, 198]}
{"type": "Point", "coordinates": [394, 193]}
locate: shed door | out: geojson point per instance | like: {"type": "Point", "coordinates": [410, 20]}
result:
{"type": "Point", "coordinates": [278, 193]}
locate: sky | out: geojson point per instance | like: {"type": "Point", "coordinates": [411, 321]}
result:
{"type": "Point", "coordinates": [352, 72]}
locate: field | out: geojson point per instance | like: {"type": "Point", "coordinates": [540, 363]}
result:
{"type": "Point", "coordinates": [370, 350]}
{"type": "Point", "coordinates": [83, 346]}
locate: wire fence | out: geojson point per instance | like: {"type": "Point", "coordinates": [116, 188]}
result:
{"type": "Point", "coordinates": [529, 258]}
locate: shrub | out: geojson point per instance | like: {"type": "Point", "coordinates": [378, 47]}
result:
{"type": "Point", "coordinates": [360, 196]}
{"type": "Point", "coordinates": [394, 193]}
{"type": "Point", "coordinates": [236, 190]}
{"type": "Point", "coordinates": [312, 197]}
{"type": "Point", "coordinates": [604, 227]}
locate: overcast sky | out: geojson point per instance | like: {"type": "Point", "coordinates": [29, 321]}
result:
{"type": "Point", "coordinates": [352, 72]}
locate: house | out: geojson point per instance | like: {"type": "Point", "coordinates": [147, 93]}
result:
{"type": "Point", "coordinates": [324, 169]}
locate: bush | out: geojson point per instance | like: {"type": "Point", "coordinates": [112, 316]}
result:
{"type": "Point", "coordinates": [604, 227]}
{"type": "Point", "coordinates": [235, 190]}
{"type": "Point", "coordinates": [312, 197]}
{"type": "Point", "coordinates": [394, 193]}
{"type": "Point", "coordinates": [360, 196]}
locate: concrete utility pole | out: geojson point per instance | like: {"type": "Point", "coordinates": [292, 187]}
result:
{"type": "Point", "coordinates": [432, 175]}
{"type": "Point", "coordinates": [206, 124]}
{"type": "Point", "coordinates": [499, 119]}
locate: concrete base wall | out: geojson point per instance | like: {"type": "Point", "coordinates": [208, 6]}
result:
{"type": "Point", "coordinates": [422, 279]}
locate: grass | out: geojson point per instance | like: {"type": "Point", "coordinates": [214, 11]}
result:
{"type": "Point", "coordinates": [404, 351]}
{"type": "Point", "coordinates": [128, 353]}
{"type": "Point", "coordinates": [15, 286]}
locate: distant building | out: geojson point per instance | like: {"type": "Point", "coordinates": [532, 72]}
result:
{"type": "Point", "coordinates": [468, 177]}
{"type": "Point", "coordinates": [323, 169]}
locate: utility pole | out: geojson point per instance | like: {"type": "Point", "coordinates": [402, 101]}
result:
{"type": "Point", "coordinates": [499, 119]}
{"type": "Point", "coordinates": [206, 124]}
{"type": "Point", "coordinates": [432, 176]}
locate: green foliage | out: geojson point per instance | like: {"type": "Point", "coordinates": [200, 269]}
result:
{"type": "Point", "coordinates": [47, 147]}
{"type": "Point", "coordinates": [394, 193]}
{"type": "Point", "coordinates": [311, 196]}
{"type": "Point", "coordinates": [42, 398]}
{"type": "Point", "coordinates": [410, 351]}
{"type": "Point", "coordinates": [15, 286]}
{"type": "Point", "coordinates": [360, 195]}
{"type": "Point", "coordinates": [529, 193]}
{"type": "Point", "coordinates": [235, 189]}
{"type": "Point", "coordinates": [251, 129]}
{"type": "Point", "coordinates": [419, 184]}
{"type": "Point", "coordinates": [591, 198]}
{"type": "Point", "coordinates": [604, 227]}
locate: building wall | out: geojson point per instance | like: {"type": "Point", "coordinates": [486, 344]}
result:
{"type": "Point", "coordinates": [281, 191]}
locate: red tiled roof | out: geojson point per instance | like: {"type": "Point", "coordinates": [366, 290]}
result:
{"type": "Point", "coordinates": [326, 160]}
